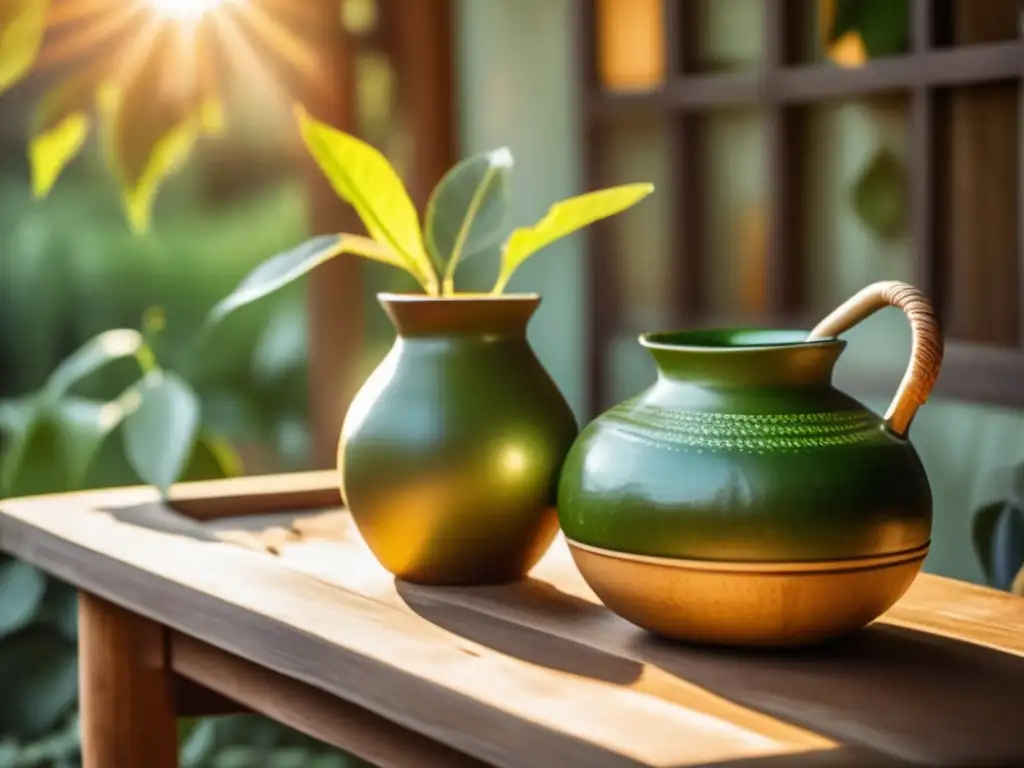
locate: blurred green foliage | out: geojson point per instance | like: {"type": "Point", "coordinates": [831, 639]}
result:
{"type": "Point", "coordinates": [71, 270]}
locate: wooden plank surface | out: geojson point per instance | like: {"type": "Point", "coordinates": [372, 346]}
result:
{"type": "Point", "coordinates": [539, 673]}
{"type": "Point", "coordinates": [309, 710]}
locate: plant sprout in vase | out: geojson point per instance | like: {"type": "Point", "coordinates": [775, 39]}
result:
{"type": "Point", "coordinates": [464, 216]}
{"type": "Point", "coordinates": [449, 454]}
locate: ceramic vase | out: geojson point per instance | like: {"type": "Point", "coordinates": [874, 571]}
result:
{"type": "Point", "coordinates": [450, 453]}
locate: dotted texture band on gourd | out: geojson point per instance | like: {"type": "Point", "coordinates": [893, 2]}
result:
{"type": "Point", "coordinates": [743, 433]}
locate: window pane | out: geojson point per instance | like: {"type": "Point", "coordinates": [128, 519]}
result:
{"type": "Point", "coordinates": [629, 368]}
{"type": "Point", "coordinates": [970, 22]}
{"type": "Point", "coordinates": [729, 34]}
{"type": "Point", "coordinates": [635, 150]}
{"type": "Point", "coordinates": [732, 191]}
{"type": "Point", "coordinates": [849, 32]}
{"type": "Point", "coordinates": [856, 231]}
{"type": "Point", "coordinates": [982, 205]}
{"type": "Point", "coordinates": [630, 44]}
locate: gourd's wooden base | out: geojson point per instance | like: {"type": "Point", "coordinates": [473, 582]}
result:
{"type": "Point", "coordinates": [747, 604]}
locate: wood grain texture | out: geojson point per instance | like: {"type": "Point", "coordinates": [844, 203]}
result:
{"type": "Point", "coordinates": [306, 709]}
{"type": "Point", "coordinates": [126, 692]}
{"type": "Point", "coordinates": [539, 673]}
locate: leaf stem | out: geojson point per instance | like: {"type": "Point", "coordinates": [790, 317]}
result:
{"type": "Point", "coordinates": [500, 285]}
{"type": "Point", "coordinates": [146, 359]}
{"type": "Point", "coordinates": [475, 202]}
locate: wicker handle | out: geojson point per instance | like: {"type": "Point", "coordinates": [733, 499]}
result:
{"type": "Point", "coordinates": [925, 353]}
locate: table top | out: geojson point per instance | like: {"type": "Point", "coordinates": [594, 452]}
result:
{"type": "Point", "coordinates": [536, 673]}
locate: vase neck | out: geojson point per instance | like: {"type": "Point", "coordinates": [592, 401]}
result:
{"type": "Point", "coordinates": [743, 358]}
{"type": "Point", "coordinates": [417, 316]}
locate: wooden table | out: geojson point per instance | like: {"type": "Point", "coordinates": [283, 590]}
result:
{"type": "Point", "coordinates": [258, 595]}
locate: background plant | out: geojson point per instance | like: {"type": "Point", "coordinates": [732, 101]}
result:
{"type": "Point", "coordinates": [998, 537]}
{"type": "Point", "coordinates": [67, 262]}
{"type": "Point", "coordinates": [464, 216]}
{"type": "Point", "coordinates": [54, 431]}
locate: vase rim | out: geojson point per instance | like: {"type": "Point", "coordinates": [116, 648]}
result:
{"type": "Point", "coordinates": [459, 298]}
{"type": "Point", "coordinates": [733, 340]}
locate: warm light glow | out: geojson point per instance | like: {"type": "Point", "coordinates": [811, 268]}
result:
{"type": "Point", "coordinates": [187, 10]}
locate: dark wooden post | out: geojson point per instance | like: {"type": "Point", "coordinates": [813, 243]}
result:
{"type": "Point", "coordinates": [335, 298]}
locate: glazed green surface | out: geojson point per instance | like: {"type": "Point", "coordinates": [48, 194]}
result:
{"type": "Point", "coordinates": [450, 453]}
{"type": "Point", "coordinates": [744, 452]}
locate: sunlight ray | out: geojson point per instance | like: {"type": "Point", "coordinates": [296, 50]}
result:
{"type": "Point", "coordinates": [239, 52]}
{"type": "Point", "coordinates": [63, 12]}
{"type": "Point", "coordinates": [134, 54]}
{"type": "Point", "coordinates": [81, 41]}
{"type": "Point", "coordinates": [280, 39]}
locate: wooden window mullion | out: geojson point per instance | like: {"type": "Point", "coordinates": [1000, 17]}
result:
{"type": "Point", "coordinates": [686, 215]}
{"type": "Point", "coordinates": [783, 262]}
{"type": "Point", "coordinates": [604, 314]}
{"type": "Point", "coordinates": [924, 176]}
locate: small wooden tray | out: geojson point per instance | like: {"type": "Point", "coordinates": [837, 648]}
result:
{"type": "Point", "coordinates": [272, 600]}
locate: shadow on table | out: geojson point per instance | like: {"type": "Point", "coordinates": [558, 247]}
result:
{"type": "Point", "coordinates": [900, 691]}
{"type": "Point", "coordinates": [163, 518]}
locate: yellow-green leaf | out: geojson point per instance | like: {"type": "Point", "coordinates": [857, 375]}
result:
{"type": "Point", "coordinates": [60, 125]}
{"type": "Point", "coordinates": [151, 131]}
{"type": "Point", "coordinates": [22, 24]}
{"type": "Point", "coordinates": [364, 178]}
{"type": "Point", "coordinates": [563, 219]}
{"type": "Point", "coordinates": [50, 152]}
{"type": "Point", "coordinates": [285, 268]}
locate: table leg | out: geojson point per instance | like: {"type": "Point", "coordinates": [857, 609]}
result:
{"type": "Point", "coordinates": [125, 689]}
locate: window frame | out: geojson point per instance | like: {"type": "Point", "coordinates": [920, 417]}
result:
{"type": "Point", "coordinates": [973, 372]}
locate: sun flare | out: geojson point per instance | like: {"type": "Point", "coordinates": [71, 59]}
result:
{"type": "Point", "coordinates": [186, 10]}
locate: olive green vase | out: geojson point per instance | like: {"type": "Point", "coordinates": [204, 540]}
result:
{"type": "Point", "coordinates": [450, 453]}
{"type": "Point", "coordinates": [742, 499]}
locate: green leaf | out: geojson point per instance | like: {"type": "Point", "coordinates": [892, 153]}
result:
{"type": "Point", "coordinates": [22, 25]}
{"type": "Point", "coordinates": [60, 608]}
{"type": "Point", "coordinates": [236, 757]}
{"type": "Point", "coordinates": [563, 219]}
{"type": "Point", "coordinates": [82, 426]}
{"type": "Point", "coordinates": [880, 195]}
{"type": "Point", "coordinates": [283, 345]}
{"type": "Point", "coordinates": [884, 25]}
{"type": "Point", "coordinates": [998, 537]}
{"type": "Point", "coordinates": [200, 744]}
{"type": "Point", "coordinates": [39, 671]}
{"type": "Point", "coordinates": [22, 587]}
{"type": "Point", "coordinates": [17, 426]}
{"type": "Point", "coordinates": [91, 357]}
{"type": "Point", "coordinates": [364, 178]}
{"type": "Point", "coordinates": [1007, 546]}
{"type": "Point", "coordinates": [982, 526]}
{"type": "Point", "coordinates": [10, 754]}
{"type": "Point", "coordinates": [160, 432]}
{"type": "Point", "coordinates": [35, 461]}
{"type": "Point", "coordinates": [212, 459]}
{"type": "Point", "coordinates": [289, 757]}
{"type": "Point", "coordinates": [151, 133]}
{"type": "Point", "coordinates": [334, 760]}
{"type": "Point", "coordinates": [285, 268]}
{"type": "Point", "coordinates": [467, 209]}
{"type": "Point", "coordinates": [52, 443]}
